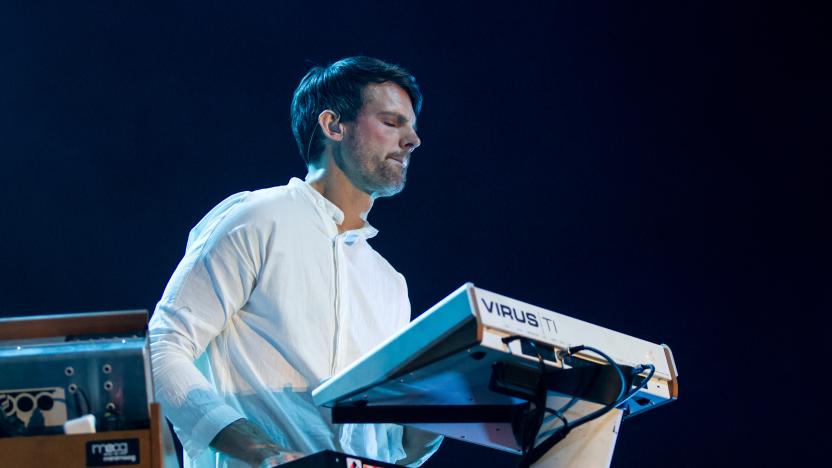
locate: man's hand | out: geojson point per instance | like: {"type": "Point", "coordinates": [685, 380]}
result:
{"type": "Point", "coordinates": [245, 441]}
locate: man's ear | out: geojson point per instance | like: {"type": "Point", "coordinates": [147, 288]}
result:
{"type": "Point", "coordinates": [331, 126]}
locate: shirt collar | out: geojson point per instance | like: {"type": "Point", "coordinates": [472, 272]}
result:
{"type": "Point", "coordinates": [330, 209]}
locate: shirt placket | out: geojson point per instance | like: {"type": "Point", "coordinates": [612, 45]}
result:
{"type": "Point", "coordinates": [343, 348]}
{"type": "Point", "coordinates": [341, 308]}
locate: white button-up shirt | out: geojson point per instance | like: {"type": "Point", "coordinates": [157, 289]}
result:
{"type": "Point", "coordinates": [269, 301]}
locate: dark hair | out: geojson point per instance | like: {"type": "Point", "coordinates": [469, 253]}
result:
{"type": "Point", "coordinates": [340, 87]}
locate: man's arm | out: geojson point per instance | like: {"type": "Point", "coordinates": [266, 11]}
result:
{"type": "Point", "coordinates": [418, 445]}
{"type": "Point", "coordinates": [244, 440]}
{"type": "Point", "coordinates": [211, 283]}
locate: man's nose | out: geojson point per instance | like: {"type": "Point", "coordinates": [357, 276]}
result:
{"type": "Point", "coordinates": [411, 141]}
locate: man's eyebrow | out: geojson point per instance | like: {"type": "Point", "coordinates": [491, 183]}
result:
{"type": "Point", "coordinates": [399, 117]}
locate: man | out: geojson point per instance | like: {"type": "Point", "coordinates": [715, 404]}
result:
{"type": "Point", "coordinates": [279, 289]}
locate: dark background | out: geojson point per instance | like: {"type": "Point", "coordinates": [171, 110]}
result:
{"type": "Point", "coordinates": [656, 169]}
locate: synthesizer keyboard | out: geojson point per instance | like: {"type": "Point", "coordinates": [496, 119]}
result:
{"type": "Point", "coordinates": [438, 373]}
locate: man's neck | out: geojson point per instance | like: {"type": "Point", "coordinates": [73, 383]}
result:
{"type": "Point", "coordinates": [331, 182]}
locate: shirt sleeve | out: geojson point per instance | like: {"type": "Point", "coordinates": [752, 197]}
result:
{"type": "Point", "coordinates": [211, 283]}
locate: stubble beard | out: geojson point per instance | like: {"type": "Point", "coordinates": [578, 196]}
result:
{"type": "Point", "coordinates": [370, 173]}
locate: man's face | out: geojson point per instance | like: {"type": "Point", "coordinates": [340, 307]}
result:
{"type": "Point", "coordinates": [377, 145]}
